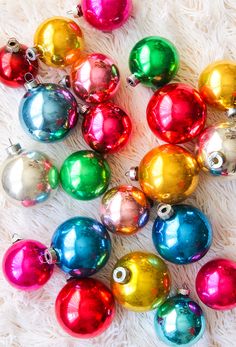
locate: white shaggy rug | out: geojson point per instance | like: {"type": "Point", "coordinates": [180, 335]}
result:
{"type": "Point", "coordinates": [203, 31]}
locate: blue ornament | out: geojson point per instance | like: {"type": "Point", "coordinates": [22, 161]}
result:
{"type": "Point", "coordinates": [80, 247]}
{"type": "Point", "coordinates": [47, 111]}
{"type": "Point", "coordinates": [182, 234]}
{"type": "Point", "coordinates": [179, 321]}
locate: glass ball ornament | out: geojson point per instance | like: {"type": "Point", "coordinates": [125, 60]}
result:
{"type": "Point", "coordinates": [80, 247]}
{"type": "Point", "coordinates": [47, 111]}
{"type": "Point", "coordinates": [217, 85]}
{"type": "Point", "coordinates": [181, 234]}
{"type": "Point", "coordinates": [180, 321]}
{"type": "Point", "coordinates": [153, 61]}
{"type": "Point", "coordinates": [58, 42]}
{"type": "Point", "coordinates": [216, 283]}
{"type": "Point", "coordinates": [14, 64]}
{"type": "Point", "coordinates": [124, 210]}
{"type": "Point", "coordinates": [85, 175]}
{"type": "Point", "coordinates": [24, 265]}
{"type": "Point", "coordinates": [28, 177]}
{"type": "Point", "coordinates": [168, 174]}
{"type": "Point", "coordinates": [106, 128]}
{"type": "Point", "coordinates": [94, 78]}
{"type": "Point", "coordinates": [176, 113]}
{"type": "Point", "coordinates": [140, 281]}
{"type": "Point", "coordinates": [85, 307]}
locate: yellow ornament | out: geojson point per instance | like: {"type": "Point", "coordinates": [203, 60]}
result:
{"type": "Point", "coordinates": [140, 281]}
{"type": "Point", "coordinates": [217, 84]}
{"type": "Point", "coordinates": [58, 42]}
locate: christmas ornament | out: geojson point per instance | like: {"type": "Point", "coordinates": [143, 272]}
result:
{"type": "Point", "coordinates": [140, 281]}
{"type": "Point", "coordinates": [176, 113]}
{"type": "Point", "coordinates": [217, 85]}
{"type": "Point", "coordinates": [58, 42]}
{"type": "Point", "coordinates": [153, 61]}
{"type": "Point", "coordinates": [94, 78]}
{"type": "Point", "coordinates": [47, 111]}
{"type": "Point", "coordinates": [80, 246]}
{"type": "Point", "coordinates": [24, 266]}
{"type": "Point", "coordinates": [14, 64]}
{"type": "Point", "coordinates": [85, 175]}
{"type": "Point", "coordinates": [216, 283]}
{"type": "Point", "coordinates": [28, 177]}
{"type": "Point", "coordinates": [181, 234]}
{"type": "Point", "coordinates": [85, 307]}
{"type": "Point", "coordinates": [167, 173]}
{"type": "Point", "coordinates": [124, 210]}
{"type": "Point", "coordinates": [106, 128]}
{"type": "Point", "coordinates": [104, 15]}
{"type": "Point", "coordinates": [179, 321]}
{"type": "Point", "coordinates": [216, 149]}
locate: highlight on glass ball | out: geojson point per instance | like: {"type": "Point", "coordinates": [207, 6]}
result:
{"type": "Point", "coordinates": [104, 15]}
{"type": "Point", "coordinates": [24, 266]}
{"type": "Point", "coordinates": [47, 111]}
{"type": "Point", "coordinates": [106, 128]}
{"type": "Point", "coordinates": [14, 64]}
{"type": "Point", "coordinates": [28, 177]}
{"type": "Point", "coordinates": [216, 283]}
{"type": "Point", "coordinates": [153, 61]}
{"type": "Point", "coordinates": [58, 42]}
{"type": "Point", "coordinates": [80, 247]}
{"type": "Point", "coordinates": [140, 281]}
{"type": "Point", "coordinates": [180, 321]}
{"type": "Point", "coordinates": [216, 149]}
{"type": "Point", "coordinates": [176, 113]}
{"type": "Point", "coordinates": [181, 234]}
{"type": "Point", "coordinates": [124, 210]}
{"type": "Point", "coordinates": [85, 175]}
{"type": "Point", "coordinates": [85, 307]}
{"type": "Point", "coordinates": [168, 174]}
{"type": "Point", "coordinates": [94, 78]}
{"type": "Point", "coordinates": [217, 85]}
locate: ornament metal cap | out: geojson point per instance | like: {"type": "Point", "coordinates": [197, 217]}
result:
{"type": "Point", "coordinates": [83, 109]}
{"type": "Point", "coordinates": [50, 256]}
{"type": "Point", "coordinates": [76, 11]}
{"type": "Point", "coordinates": [121, 275]}
{"type": "Point", "coordinates": [132, 80]}
{"type": "Point", "coordinates": [216, 160]}
{"type": "Point", "coordinates": [183, 291]}
{"type": "Point", "coordinates": [15, 237]}
{"type": "Point", "coordinates": [31, 82]}
{"type": "Point", "coordinates": [14, 149]}
{"type": "Point", "coordinates": [231, 112]}
{"type": "Point", "coordinates": [165, 211]}
{"type": "Point", "coordinates": [13, 45]}
{"type": "Point", "coordinates": [132, 173]}
{"type": "Point", "coordinates": [32, 53]}
{"type": "Point", "coordinates": [65, 82]}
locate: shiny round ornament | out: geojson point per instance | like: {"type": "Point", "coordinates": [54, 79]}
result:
{"type": "Point", "coordinates": [105, 15]}
{"type": "Point", "coordinates": [216, 283]}
{"type": "Point", "coordinates": [179, 321]}
{"type": "Point", "coordinates": [167, 173]}
{"type": "Point", "coordinates": [24, 265]}
{"type": "Point", "coordinates": [216, 149]}
{"type": "Point", "coordinates": [14, 64]}
{"type": "Point", "coordinates": [85, 175]}
{"type": "Point", "coordinates": [106, 128]}
{"type": "Point", "coordinates": [27, 177]}
{"type": "Point", "coordinates": [58, 42]}
{"type": "Point", "coordinates": [176, 113]}
{"type": "Point", "coordinates": [181, 234]}
{"type": "Point", "coordinates": [80, 246]}
{"type": "Point", "coordinates": [153, 61]}
{"type": "Point", "coordinates": [217, 85]}
{"type": "Point", "coordinates": [85, 307]}
{"type": "Point", "coordinates": [140, 281]}
{"type": "Point", "coordinates": [124, 210]}
{"type": "Point", "coordinates": [94, 78]}
{"type": "Point", "coordinates": [47, 111]}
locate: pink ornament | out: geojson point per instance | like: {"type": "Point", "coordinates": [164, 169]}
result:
{"type": "Point", "coordinates": [24, 266]}
{"type": "Point", "coordinates": [216, 284]}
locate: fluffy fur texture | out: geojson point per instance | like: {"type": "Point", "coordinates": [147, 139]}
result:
{"type": "Point", "coordinates": [203, 31]}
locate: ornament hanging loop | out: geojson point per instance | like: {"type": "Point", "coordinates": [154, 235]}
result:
{"type": "Point", "coordinates": [121, 275]}
{"type": "Point", "coordinates": [13, 45]}
{"type": "Point", "coordinates": [165, 211]}
{"type": "Point", "coordinates": [13, 149]}
{"type": "Point", "coordinates": [76, 11]}
{"type": "Point", "coordinates": [132, 80]}
{"type": "Point", "coordinates": [15, 237]}
{"type": "Point", "coordinates": [31, 82]}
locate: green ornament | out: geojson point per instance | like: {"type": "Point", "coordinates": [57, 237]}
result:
{"type": "Point", "coordinates": [153, 61]}
{"type": "Point", "coordinates": [85, 175]}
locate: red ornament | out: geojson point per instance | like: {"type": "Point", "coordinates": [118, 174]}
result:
{"type": "Point", "coordinates": [85, 307]}
{"type": "Point", "coordinates": [106, 128]}
{"type": "Point", "coordinates": [216, 284]}
{"type": "Point", "coordinates": [176, 113]}
{"type": "Point", "coordinates": [14, 64]}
